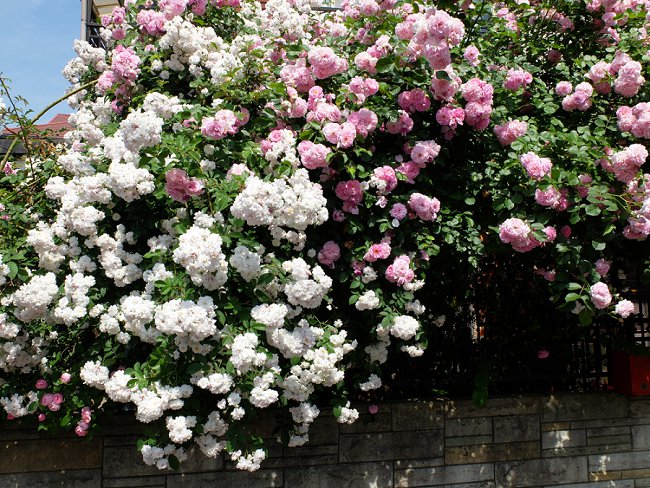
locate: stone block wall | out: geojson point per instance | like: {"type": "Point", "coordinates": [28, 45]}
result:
{"type": "Point", "coordinates": [564, 441]}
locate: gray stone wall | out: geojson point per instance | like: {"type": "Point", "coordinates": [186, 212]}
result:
{"type": "Point", "coordinates": [563, 441]}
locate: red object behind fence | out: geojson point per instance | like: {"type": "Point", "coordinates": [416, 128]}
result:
{"type": "Point", "coordinates": [631, 373]}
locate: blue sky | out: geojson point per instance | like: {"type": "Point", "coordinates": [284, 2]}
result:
{"type": "Point", "coordinates": [36, 40]}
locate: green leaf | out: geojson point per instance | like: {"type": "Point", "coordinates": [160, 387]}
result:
{"type": "Point", "coordinates": [571, 297]}
{"type": "Point", "coordinates": [13, 270]}
{"type": "Point", "coordinates": [174, 463]}
{"type": "Point", "coordinates": [574, 286]}
{"type": "Point", "coordinates": [442, 75]}
{"type": "Point", "coordinates": [194, 368]}
{"type": "Point", "coordinates": [550, 108]}
{"type": "Point", "coordinates": [585, 317]}
{"type": "Point", "coordinates": [592, 210]}
{"type": "Point", "coordinates": [353, 299]}
{"type": "Point", "coordinates": [598, 246]}
{"type": "Point", "coordinates": [265, 279]}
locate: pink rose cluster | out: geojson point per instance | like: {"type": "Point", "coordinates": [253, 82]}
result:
{"type": "Point", "coordinates": [510, 131]}
{"type": "Point", "coordinates": [629, 79]}
{"type": "Point", "coordinates": [638, 227]}
{"type": "Point", "coordinates": [84, 424]}
{"type": "Point", "coordinates": [114, 22]}
{"type": "Point", "coordinates": [329, 254]}
{"type": "Point", "coordinates": [425, 152]}
{"type": "Point", "coordinates": [624, 308]}
{"type": "Point", "coordinates": [238, 169]}
{"type": "Point", "coordinates": [366, 62]}
{"type": "Point", "coordinates": [172, 8]}
{"type": "Point", "coordinates": [363, 88]}
{"type": "Point", "coordinates": [398, 211]}
{"type": "Point", "coordinates": [471, 55]}
{"type": "Point", "coordinates": [635, 120]}
{"type": "Point", "coordinates": [580, 99]}
{"type": "Point", "coordinates": [510, 18]}
{"type": "Point", "coordinates": [312, 155]}
{"type": "Point", "coordinates": [52, 401]}
{"type": "Point", "coordinates": [424, 207]}
{"type": "Point", "coordinates": [151, 22]}
{"type": "Point", "coordinates": [387, 175]}
{"type": "Point", "coordinates": [518, 234]}
{"type": "Point", "coordinates": [400, 271]}
{"type": "Point", "coordinates": [563, 88]}
{"type": "Point", "coordinates": [600, 295]}
{"type": "Point", "coordinates": [342, 135]}
{"type": "Point", "coordinates": [431, 35]}
{"type": "Point", "coordinates": [536, 167]}
{"type": "Point", "coordinates": [449, 118]}
{"type": "Point", "coordinates": [403, 125]}
{"type": "Point", "coordinates": [552, 197]}
{"type": "Point", "coordinates": [602, 267]}
{"type": "Point", "coordinates": [226, 3]}
{"type": "Point", "coordinates": [627, 71]}
{"type": "Point", "coordinates": [626, 164]}
{"type": "Point", "coordinates": [377, 251]}
{"type": "Point", "coordinates": [548, 14]}
{"type": "Point", "coordinates": [321, 109]}
{"type": "Point", "coordinates": [294, 107]}
{"type": "Point", "coordinates": [325, 63]}
{"type": "Point", "coordinates": [444, 88]}
{"type": "Point", "coordinates": [125, 63]}
{"type": "Point", "coordinates": [516, 79]}
{"type": "Point", "coordinates": [548, 275]}
{"type": "Point", "coordinates": [298, 76]}
{"type": "Point", "coordinates": [365, 121]}
{"type": "Point", "coordinates": [351, 194]}
{"type": "Point", "coordinates": [478, 95]}
{"type": "Point", "coordinates": [415, 100]}
{"type": "Point", "coordinates": [124, 69]}
{"type": "Point", "coordinates": [410, 170]}
{"type": "Point", "coordinates": [197, 6]}
{"type": "Point", "coordinates": [361, 122]}
{"type": "Point", "coordinates": [599, 74]}
{"type": "Point", "coordinates": [181, 188]}
{"type": "Point", "coordinates": [223, 124]}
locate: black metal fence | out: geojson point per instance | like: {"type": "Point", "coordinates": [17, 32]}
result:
{"type": "Point", "coordinates": [518, 353]}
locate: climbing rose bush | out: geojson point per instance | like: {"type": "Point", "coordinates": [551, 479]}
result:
{"type": "Point", "coordinates": [252, 200]}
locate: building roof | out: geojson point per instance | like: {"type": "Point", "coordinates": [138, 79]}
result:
{"type": "Point", "coordinates": [56, 127]}
{"type": "Point", "coordinates": [53, 130]}
{"type": "Point", "coordinates": [105, 7]}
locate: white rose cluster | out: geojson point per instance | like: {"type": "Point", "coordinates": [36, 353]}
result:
{"type": "Point", "coordinates": [190, 322]}
{"type": "Point", "coordinates": [295, 203]}
{"type": "Point", "coordinates": [262, 395]}
{"type": "Point", "coordinates": [244, 355]}
{"type": "Point", "coordinates": [180, 428]}
{"type": "Point", "coordinates": [404, 327]}
{"type": "Point", "coordinates": [4, 272]}
{"type": "Point", "coordinates": [199, 252]}
{"type": "Point", "coordinates": [246, 263]}
{"type": "Point", "coordinates": [368, 301]}
{"type": "Point", "coordinates": [307, 286]}
{"type": "Point", "coordinates": [74, 305]}
{"type": "Point", "coordinates": [131, 257]}
{"type": "Point", "coordinates": [140, 129]}
{"type": "Point", "coordinates": [216, 383]}
{"type": "Point", "coordinates": [32, 299]}
{"type": "Point", "coordinates": [159, 457]}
